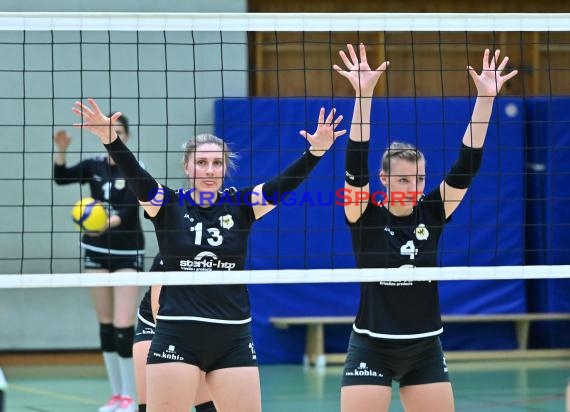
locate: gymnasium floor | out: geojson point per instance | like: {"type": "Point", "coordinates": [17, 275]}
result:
{"type": "Point", "coordinates": [479, 386]}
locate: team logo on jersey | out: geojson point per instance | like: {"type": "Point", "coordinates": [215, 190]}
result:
{"type": "Point", "coordinates": [364, 370]}
{"type": "Point", "coordinates": [120, 184]}
{"type": "Point", "coordinates": [226, 222]}
{"type": "Point", "coordinates": [169, 353]}
{"type": "Point", "coordinates": [206, 261]}
{"type": "Point", "coordinates": [421, 232]}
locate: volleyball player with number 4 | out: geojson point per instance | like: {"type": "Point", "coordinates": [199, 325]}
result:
{"type": "Point", "coordinates": [117, 247]}
{"type": "Point", "coordinates": [395, 336]}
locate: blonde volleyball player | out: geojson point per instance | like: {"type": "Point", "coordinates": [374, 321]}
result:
{"type": "Point", "coordinates": [117, 248]}
{"type": "Point", "coordinates": [395, 335]}
{"type": "Point", "coordinates": [205, 328]}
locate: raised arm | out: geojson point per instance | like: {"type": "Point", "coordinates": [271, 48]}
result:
{"type": "Point", "coordinates": [267, 195]}
{"type": "Point", "coordinates": [140, 181]}
{"type": "Point", "coordinates": [488, 84]}
{"type": "Point", "coordinates": [363, 79]}
{"type": "Point", "coordinates": [63, 175]}
{"type": "Point", "coordinates": [62, 141]}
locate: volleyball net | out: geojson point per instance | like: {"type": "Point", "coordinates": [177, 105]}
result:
{"type": "Point", "coordinates": [256, 80]}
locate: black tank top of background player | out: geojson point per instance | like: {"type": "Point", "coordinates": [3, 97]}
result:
{"type": "Point", "coordinates": [109, 187]}
{"type": "Point", "coordinates": [193, 238]}
{"type": "Point", "coordinates": [397, 309]}
{"type": "Point", "coordinates": [145, 307]}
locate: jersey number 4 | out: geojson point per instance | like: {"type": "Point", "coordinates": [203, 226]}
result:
{"type": "Point", "coordinates": [409, 249]}
{"type": "Point", "coordinates": [215, 238]}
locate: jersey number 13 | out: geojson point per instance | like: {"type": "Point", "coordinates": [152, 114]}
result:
{"type": "Point", "coordinates": [215, 238]}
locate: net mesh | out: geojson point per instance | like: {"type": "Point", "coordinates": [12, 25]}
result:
{"type": "Point", "coordinates": [256, 80]}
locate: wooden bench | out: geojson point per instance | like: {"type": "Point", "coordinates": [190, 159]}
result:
{"type": "Point", "coordinates": [315, 338]}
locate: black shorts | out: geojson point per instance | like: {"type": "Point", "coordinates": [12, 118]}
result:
{"type": "Point", "coordinates": [372, 361]}
{"type": "Point", "coordinates": [146, 328]}
{"type": "Point", "coordinates": [112, 263]}
{"type": "Point", "coordinates": [144, 331]}
{"type": "Point", "coordinates": [210, 346]}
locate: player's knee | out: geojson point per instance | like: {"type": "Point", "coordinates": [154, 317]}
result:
{"type": "Point", "coordinates": [107, 337]}
{"type": "Point", "coordinates": [124, 341]}
{"type": "Point", "coordinates": [206, 407]}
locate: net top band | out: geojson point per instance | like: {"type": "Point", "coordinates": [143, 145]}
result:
{"type": "Point", "coordinates": [275, 276]}
{"type": "Point", "coordinates": [447, 22]}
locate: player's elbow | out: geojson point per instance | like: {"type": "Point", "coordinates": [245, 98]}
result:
{"type": "Point", "coordinates": [352, 214]}
{"type": "Point", "coordinates": [60, 180]}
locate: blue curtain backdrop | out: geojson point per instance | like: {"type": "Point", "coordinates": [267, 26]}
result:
{"type": "Point", "coordinates": [309, 230]}
{"type": "Point", "coordinates": [548, 217]}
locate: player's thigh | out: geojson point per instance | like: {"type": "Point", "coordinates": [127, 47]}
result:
{"type": "Point", "coordinates": [171, 386]}
{"type": "Point", "coordinates": [203, 395]}
{"type": "Point", "coordinates": [436, 397]}
{"type": "Point", "coordinates": [126, 299]}
{"type": "Point", "coordinates": [367, 376]}
{"type": "Point", "coordinates": [357, 398]}
{"type": "Point", "coordinates": [102, 298]}
{"type": "Point", "coordinates": [140, 353]}
{"type": "Point", "coordinates": [235, 389]}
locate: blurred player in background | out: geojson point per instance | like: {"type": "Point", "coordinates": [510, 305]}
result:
{"type": "Point", "coordinates": [117, 248]}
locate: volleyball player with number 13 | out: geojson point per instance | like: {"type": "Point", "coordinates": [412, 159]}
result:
{"type": "Point", "coordinates": [205, 328]}
{"type": "Point", "coordinates": [396, 332]}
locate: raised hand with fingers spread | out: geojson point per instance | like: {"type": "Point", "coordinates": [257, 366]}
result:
{"type": "Point", "coordinates": [362, 78]}
{"type": "Point", "coordinates": [95, 121]}
{"type": "Point", "coordinates": [491, 80]}
{"type": "Point", "coordinates": [326, 133]}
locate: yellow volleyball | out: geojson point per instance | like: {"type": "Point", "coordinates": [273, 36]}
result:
{"type": "Point", "coordinates": [89, 214]}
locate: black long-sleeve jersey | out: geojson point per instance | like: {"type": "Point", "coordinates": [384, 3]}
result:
{"type": "Point", "coordinates": [397, 309]}
{"type": "Point", "coordinates": [195, 238]}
